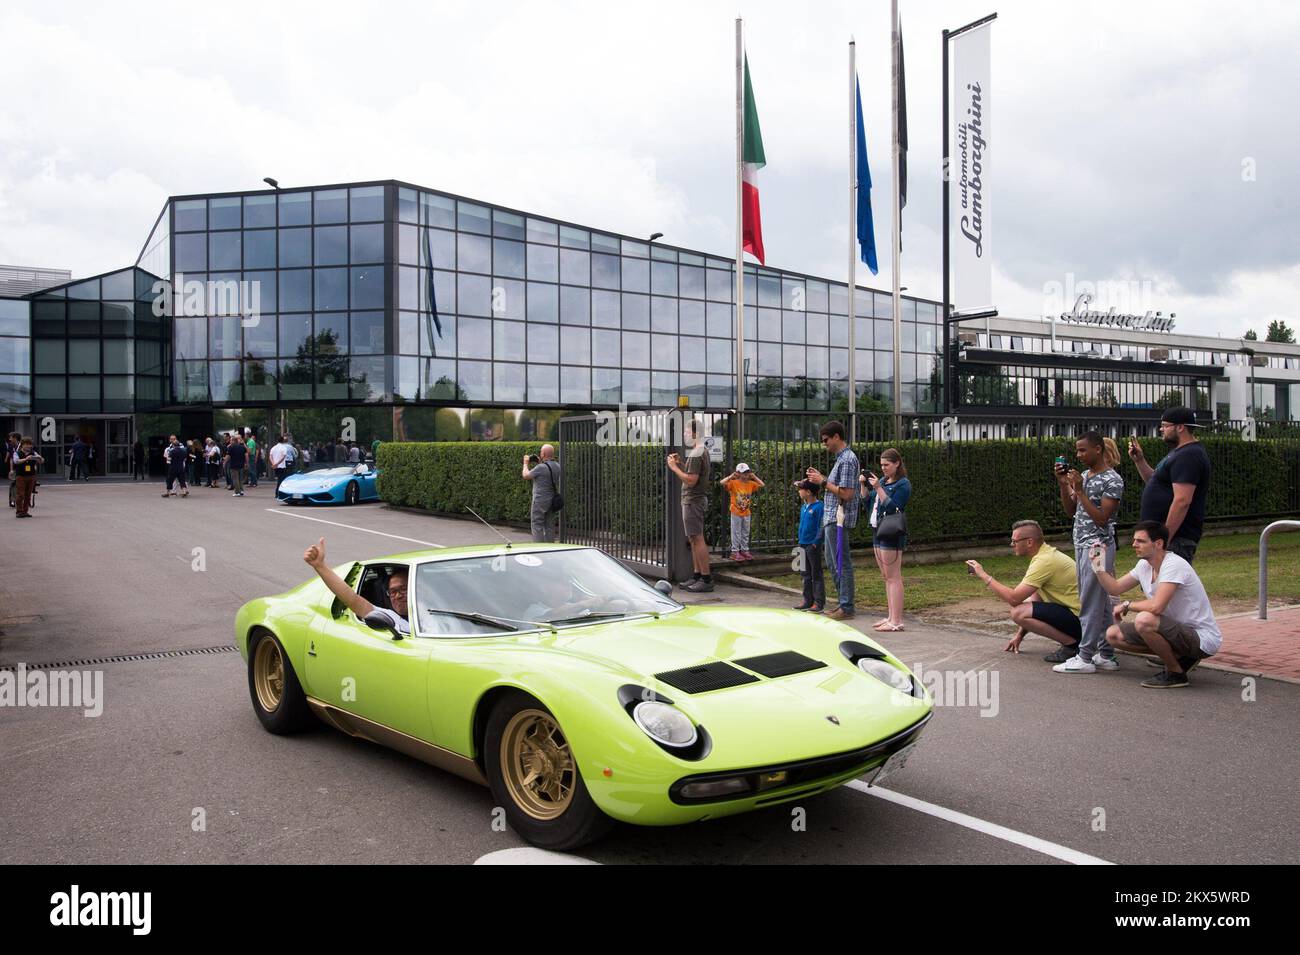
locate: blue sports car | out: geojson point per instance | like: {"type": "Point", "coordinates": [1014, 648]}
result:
{"type": "Point", "coordinates": [349, 484]}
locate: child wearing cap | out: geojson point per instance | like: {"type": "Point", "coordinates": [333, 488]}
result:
{"type": "Point", "coordinates": [741, 484]}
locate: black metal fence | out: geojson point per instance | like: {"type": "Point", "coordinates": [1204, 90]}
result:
{"type": "Point", "coordinates": [972, 475]}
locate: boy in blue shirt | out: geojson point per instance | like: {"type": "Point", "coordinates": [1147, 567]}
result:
{"type": "Point", "coordinates": [810, 546]}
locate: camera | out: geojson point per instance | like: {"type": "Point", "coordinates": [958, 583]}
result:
{"type": "Point", "coordinates": [533, 460]}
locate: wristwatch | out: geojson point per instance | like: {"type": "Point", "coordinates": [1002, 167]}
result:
{"type": "Point", "coordinates": [1124, 607]}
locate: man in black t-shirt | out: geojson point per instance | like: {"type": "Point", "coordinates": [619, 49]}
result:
{"type": "Point", "coordinates": [1176, 489]}
{"type": "Point", "coordinates": [236, 458]}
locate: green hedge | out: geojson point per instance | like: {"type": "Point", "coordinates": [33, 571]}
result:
{"type": "Point", "coordinates": [960, 489]}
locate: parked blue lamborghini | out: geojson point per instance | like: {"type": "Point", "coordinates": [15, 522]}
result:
{"type": "Point", "coordinates": [350, 484]}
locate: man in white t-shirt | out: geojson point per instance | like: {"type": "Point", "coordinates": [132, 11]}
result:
{"type": "Point", "coordinates": [359, 605]}
{"type": "Point", "coordinates": [1175, 622]}
{"type": "Point", "coordinates": [280, 456]}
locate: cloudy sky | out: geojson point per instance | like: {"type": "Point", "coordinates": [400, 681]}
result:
{"type": "Point", "coordinates": [1152, 143]}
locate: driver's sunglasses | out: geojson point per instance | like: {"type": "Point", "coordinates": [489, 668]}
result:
{"type": "Point", "coordinates": [400, 592]}
{"type": "Point", "coordinates": [825, 438]}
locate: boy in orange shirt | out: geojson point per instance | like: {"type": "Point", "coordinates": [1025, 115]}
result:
{"type": "Point", "coordinates": [741, 484]}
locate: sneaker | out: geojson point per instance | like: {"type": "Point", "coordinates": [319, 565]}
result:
{"type": "Point", "coordinates": [803, 607]}
{"type": "Point", "coordinates": [185, 493]}
{"type": "Point", "coordinates": [746, 555]}
{"type": "Point", "coordinates": [839, 613]}
{"type": "Point", "coordinates": [1063, 654]}
{"type": "Point", "coordinates": [700, 586]}
{"type": "Point", "coordinates": [1075, 664]}
{"type": "Point", "coordinates": [1164, 680]}
{"type": "Point", "coordinates": [815, 608]}
{"type": "Point", "coordinates": [1105, 664]}
{"type": "Point", "coordinates": [736, 556]}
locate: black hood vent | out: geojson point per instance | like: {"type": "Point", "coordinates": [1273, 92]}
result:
{"type": "Point", "coordinates": [706, 677]}
{"type": "Point", "coordinates": [785, 663]}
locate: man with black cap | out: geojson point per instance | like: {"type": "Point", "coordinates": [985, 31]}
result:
{"type": "Point", "coordinates": [1177, 487]}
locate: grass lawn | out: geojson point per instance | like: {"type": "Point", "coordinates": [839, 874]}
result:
{"type": "Point", "coordinates": [1227, 565]}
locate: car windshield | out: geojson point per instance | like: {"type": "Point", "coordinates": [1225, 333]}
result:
{"type": "Point", "coordinates": [563, 587]}
{"type": "Point", "coordinates": [334, 472]}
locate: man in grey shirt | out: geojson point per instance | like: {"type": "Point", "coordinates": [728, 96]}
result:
{"type": "Point", "coordinates": [546, 484]}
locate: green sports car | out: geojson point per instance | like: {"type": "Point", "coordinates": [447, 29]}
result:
{"type": "Point", "coordinates": [578, 692]}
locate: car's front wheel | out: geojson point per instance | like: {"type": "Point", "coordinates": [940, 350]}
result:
{"type": "Point", "coordinates": [534, 776]}
{"type": "Point", "coordinates": [278, 699]}
{"type": "Point", "coordinates": [352, 494]}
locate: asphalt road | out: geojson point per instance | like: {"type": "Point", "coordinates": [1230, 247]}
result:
{"type": "Point", "coordinates": [1058, 767]}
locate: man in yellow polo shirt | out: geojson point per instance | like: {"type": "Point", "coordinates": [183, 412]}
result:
{"type": "Point", "coordinates": [1046, 601]}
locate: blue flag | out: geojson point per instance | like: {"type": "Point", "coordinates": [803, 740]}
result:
{"type": "Point", "coordinates": [866, 226]}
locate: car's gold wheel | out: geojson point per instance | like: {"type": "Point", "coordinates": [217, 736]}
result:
{"type": "Point", "coordinates": [268, 674]}
{"type": "Point", "coordinates": [537, 764]}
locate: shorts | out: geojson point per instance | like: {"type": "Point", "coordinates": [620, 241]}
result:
{"type": "Point", "coordinates": [897, 543]}
{"type": "Point", "coordinates": [693, 517]}
{"type": "Point", "coordinates": [1182, 639]}
{"type": "Point", "coordinates": [1056, 615]}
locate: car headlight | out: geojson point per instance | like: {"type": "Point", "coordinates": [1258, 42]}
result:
{"type": "Point", "coordinates": [664, 723]}
{"type": "Point", "coordinates": [885, 673]}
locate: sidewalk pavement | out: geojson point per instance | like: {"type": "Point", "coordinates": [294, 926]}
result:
{"type": "Point", "coordinates": [1266, 648]}
{"type": "Point", "coordinates": [1261, 647]}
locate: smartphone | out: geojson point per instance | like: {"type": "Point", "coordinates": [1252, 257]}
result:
{"type": "Point", "coordinates": [1061, 464]}
{"type": "Point", "coordinates": [970, 570]}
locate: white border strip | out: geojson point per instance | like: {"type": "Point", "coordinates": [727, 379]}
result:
{"type": "Point", "coordinates": [351, 527]}
{"type": "Point", "coordinates": [1072, 856]}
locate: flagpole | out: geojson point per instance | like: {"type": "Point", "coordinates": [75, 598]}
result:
{"type": "Point", "coordinates": [740, 231]}
{"type": "Point", "coordinates": [898, 228]}
{"type": "Point", "coordinates": [853, 233]}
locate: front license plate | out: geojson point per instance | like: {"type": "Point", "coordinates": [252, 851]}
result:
{"type": "Point", "coordinates": [297, 497]}
{"type": "Point", "coordinates": [892, 765]}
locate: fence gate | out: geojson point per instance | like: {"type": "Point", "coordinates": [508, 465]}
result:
{"type": "Point", "coordinates": [620, 496]}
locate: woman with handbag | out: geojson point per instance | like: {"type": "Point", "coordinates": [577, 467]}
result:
{"type": "Point", "coordinates": [890, 494]}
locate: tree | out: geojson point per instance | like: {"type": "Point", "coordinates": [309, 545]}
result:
{"type": "Point", "coordinates": [1278, 331]}
{"type": "Point", "coordinates": [1250, 336]}
{"type": "Point", "coordinates": [1173, 398]}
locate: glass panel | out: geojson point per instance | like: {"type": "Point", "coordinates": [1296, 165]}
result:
{"type": "Point", "coordinates": [509, 382]}
{"type": "Point", "coordinates": [295, 380]}
{"type": "Point", "coordinates": [295, 290]}
{"type": "Point", "coordinates": [472, 218]}
{"type": "Point", "coordinates": [575, 267]}
{"type": "Point", "coordinates": [663, 278]}
{"type": "Point", "coordinates": [663, 314]}
{"type": "Point", "coordinates": [636, 387]}
{"type": "Point", "coordinates": [575, 305]}
{"type": "Point", "coordinates": [295, 332]}
{"type": "Point", "coordinates": [663, 351]}
{"type": "Point", "coordinates": [191, 252]}
{"type": "Point", "coordinates": [575, 238]}
{"type": "Point", "coordinates": [543, 263]}
{"type": "Point", "coordinates": [438, 380]}
{"type": "Point", "coordinates": [226, 380]}
{"type": "Point", "coordinates": [575, 385]}
{"type": "Point", "coordinates": [474, 338]}
{"type": "Point", "coordinates": [690, 281]}
{"type": "Point", "coordinates": [606, 347]}
{"type": "Point", "coordinates": [636, 275]}
{"type": "Point", "coordinates": [543, 302]}
{"type": "Point", "coordinates": [369, 378]}
{"type": "Point", "coordinates": [539, 230]}
{"type": "Point", "coordinates": [475, 379]}
{"type": "Point", "coordinates": [576, 346]}
{"type": "Point", "coordinates": [474, 294]}
{"type": "Point", "coordinates": [50, 356]}
{"type": "Point", "coordinates": [191, 215]}
{"type": "Point", "coordinates": [636, 312]}
{"type": "Point", "coordinates": [509, 299]}
{"type": "Point", "coordinates": [295, 247]}
{"type": "Point", "coordinates": [605, 271]}
{"type": "Point", "coordinates": [259, 249]}
{"type": "Point", "coordinates": [691, 317]}
{"type": "Point", "coordinates": [507, 256]}
{"type": "Point", "coordinates": [295, 208]}
{"type": "Point", "coordinates": [719, 286]}
{"type": "Point", "coordinates": [606, 386]}
{"type": "Point", "coordinates": [720, 320]}
{"type": "Point", "coordinates": [259, 381]}
{"type": "Point", "coordinates": [605, 309]}
{"type": "Point", "coordinates": [543, 384]}
{"type": "Point", "coordinates": [224, 250]}
{"type": "Point", "coordinates": [508, 341]}
{"type": "Point", "coordinates": [636, 350]}
{"type": "Point", "coordinates": [367, 203]}
{"type": "Point", "coordinates": [330, 205]}
{"type": "Point", "coordinates": [16, 356]}
{"type": "Point", "coordinates": [224, 213]}
{"type": "Point", "coordinates": [507, 225]}
{"type": "Point", "coordinates": [368, 287]}
{"type": "Point", "coordinates": [367, 243]}
{"type": "Point", "coordinates": [331, 245]}
{"type": "Point", "coordinates": [474, 253]}
{"type": "Point", "coordinates": [543, 344]}
{"type": "Point", "coordinates": [331, 334]}
{"type": "Point", "coordinates": [119, 319]}
{"type": "Point", "coordinates": [259, 211]}
{"type": "Point", "coordinates": [331, 289]}
{"type": "Point", "coordinates": [332, 377]}
{"type": "Point", "coordinates": [367, 333]}
{"type": "Point", "coordinates": [15, 394]}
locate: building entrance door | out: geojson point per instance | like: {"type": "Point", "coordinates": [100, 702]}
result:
{"type": "Point", "coordinates": [108, 440]}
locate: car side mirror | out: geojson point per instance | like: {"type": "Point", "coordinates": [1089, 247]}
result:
{"type": "Point", "coordinates": [665, 587]}
{"type": "Point", "coordinates": [378, 622]}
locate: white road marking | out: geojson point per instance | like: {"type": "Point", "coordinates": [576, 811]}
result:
{"type": "Point", "coordinates": [527, 855]}
{"type": "Point", "coordinates": [1065, 854]}
{"type": "Point", "coordinates": [351, 527]}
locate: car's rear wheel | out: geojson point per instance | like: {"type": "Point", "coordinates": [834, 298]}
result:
{"type": "Point", "coordinates": [535, 777]}
{"type": "Point", "coordinates": [278, 699]}
{"type": "Point", "coordinates": [352, 494]}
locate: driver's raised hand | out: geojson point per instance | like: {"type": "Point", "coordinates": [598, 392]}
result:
{"type": "Point", "coordinates": [315, 554]}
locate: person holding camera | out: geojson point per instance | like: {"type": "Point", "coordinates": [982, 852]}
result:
{"type": "Point", "coordinates": [544, 472]}
{"type": "Point", "coordinates": [1176, 489]}
{"type": "Point", "coordinates": [1175, 622]}
{"type": "Point", "coordinates": [1092, 499]}
{"type": "Point", "coordinates": [693, 472]}
{"type": "Point", "coordinates": [888, 496]}
{"type": "Point", "coordinates": [1046, 601]}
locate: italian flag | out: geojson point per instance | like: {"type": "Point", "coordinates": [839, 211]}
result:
{"type": "Point", "coordinates": [754, 160]}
